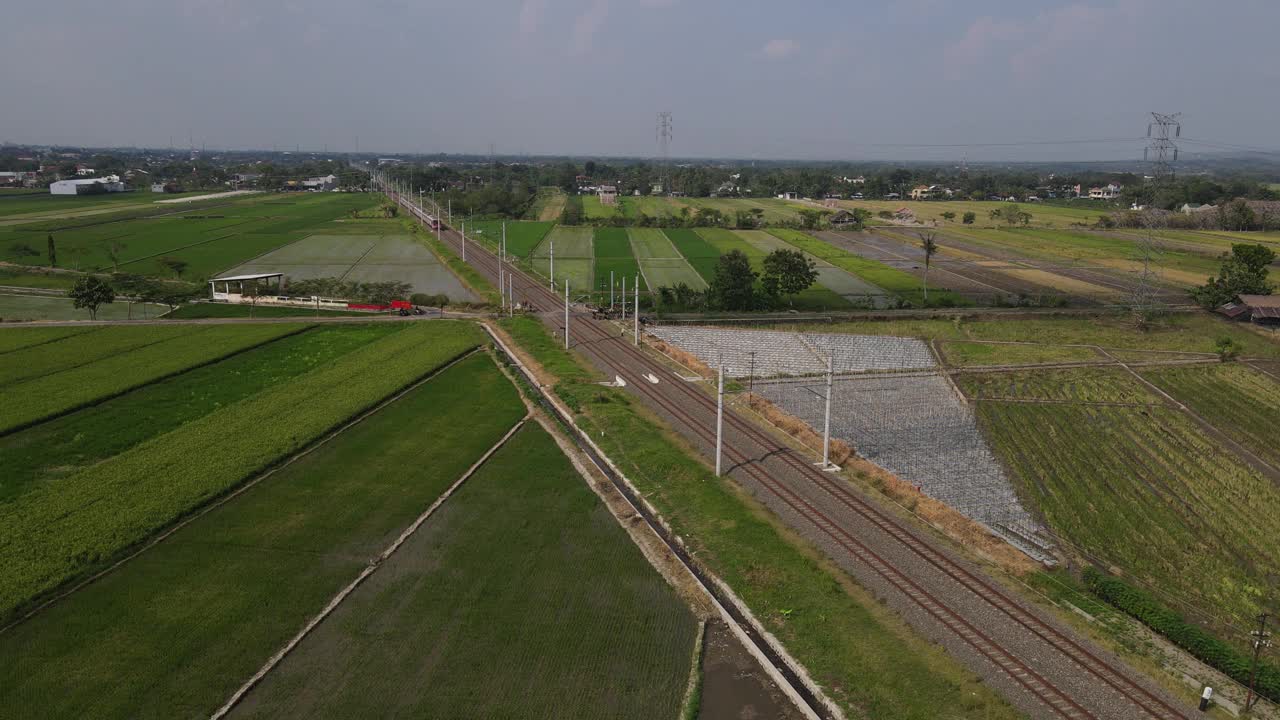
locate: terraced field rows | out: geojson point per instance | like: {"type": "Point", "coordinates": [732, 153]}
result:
{"type": "Point", "coordinates": [574, 260]}
{"type": "Point", "coordinates": [49, 395]}
{"type": "Point", "coordinates": [61, 531]}
{"type": "Point", "coordinates": [1234, 398]}
{"type": "Point", "coordinates": [175, 630]}
{"type": "Point", "coordinates": [612, 251]}
{"type": "Point", "coordinates": [661, 263]}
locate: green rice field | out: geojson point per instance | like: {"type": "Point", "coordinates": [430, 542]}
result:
{"type": "Point", "coordinates": [660, 262]}
{"type": "Point", "coordinates": [522, 235]}
{"type": "Point", "coordinates": [574, 259]}
{"type": "Point", "coordinates": [65, 529]}
{"type": "Point", "coordinates": [614, 259]}
{"type": "Point", "coordinates": [525, 589]}
{"type": "Point", "coordinates": [211, 236]}
{"type": "Point", "coordinates": [1137, 486]}
{"type": "Point", "coordinates": [176, 630]}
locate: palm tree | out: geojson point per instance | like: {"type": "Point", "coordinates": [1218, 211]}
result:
{"type": "Point", "coordinates": [930, 246]}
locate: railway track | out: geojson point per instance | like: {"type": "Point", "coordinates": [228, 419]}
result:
{"type": "Point", "coordinates": [949, 577]}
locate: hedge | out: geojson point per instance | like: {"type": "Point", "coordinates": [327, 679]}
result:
{"type": "Point", "coordinates": [1210, 650]}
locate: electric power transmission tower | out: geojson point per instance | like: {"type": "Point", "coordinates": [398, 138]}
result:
{"type": "Point", "coordinates": [1162, 150]}
{"type": "Point", "coordinates": [664, 150]}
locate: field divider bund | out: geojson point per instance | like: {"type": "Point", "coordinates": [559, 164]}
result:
{"type": "Point", "coordinates": [213, 505]}
{"type": "Point", "coordinates": [369, 569]}
{"type": "Point", "coordinates": [787, 672]}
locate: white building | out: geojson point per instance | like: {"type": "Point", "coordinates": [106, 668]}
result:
{"type": "Point", "coordinates": [608, 194]}
{"type": "Point", "coordinates": [1110, 192]}
{"type": "Point", "coordinates": [110, 183]}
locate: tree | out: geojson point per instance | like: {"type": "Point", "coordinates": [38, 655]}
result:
{"type": "Point", "coordinates": [788, 273]}
{"type": "Point", "coordinates": [948, 216]}
{"type": "Point", "coordinates": [177, 265]}
{"type": "Point", "coordinates": [1227, 348]}
{"type": "Point", "coordinates": [968, 218]}
{"type": "Point", "coordinates": [812, 219]}
{"type": "Point", "coordinates": [114, 248]}
{"type": "Point", "coordinates": [53, 252]}
{"type": "Point", "coordinates": [733, 287]}
{"type": "Point", "coordinates": [89, 293]}
{"type": "Point", "coordinates": [1236, 215]}
{"type": "Point", "coordinates": [1244, 271]}
{"type": "Point", "coordinates": [930, 247]}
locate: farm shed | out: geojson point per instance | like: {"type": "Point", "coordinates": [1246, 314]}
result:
{"type": "Point", "coordinates": [110, 183]}
{"type": "Point", "coordinates": [233, 285]}
{"type": "Point", "coordinates": [843, 219]}
{"type": "Point", "coordinates": [1262, 308]}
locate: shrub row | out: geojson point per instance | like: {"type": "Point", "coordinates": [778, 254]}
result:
{"type": "Point", "coordinates": [52, 395]}
{"type": "Point", "coordinates": [81, 523]}
{"type": "Point", "coordinates": [1210, 650]}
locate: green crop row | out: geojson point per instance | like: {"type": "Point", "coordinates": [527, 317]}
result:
{"type": "Point", "coordinates": [48, 396]}
{"type": "Point", "coordinates": [15, 338]}
{"type": "Point", "coordinates": [56, 534]}
{"type": "Point", "coordinates": [1083, 385]}
{"type": "Point", "coordinates": [1185, 635]}
{"type": "Point", "coordinates": [523, 586]}
{"type": "Point", "coordinates": [174, 631]}
{"type": "Point", "coordinates": [1142, 489]}
{"type": "Point", "coordinates": [1234, 398]}
{"type": "Point", "coordinates": [55, 449]}
{"type": "Point", "coordinates": [71, 352]}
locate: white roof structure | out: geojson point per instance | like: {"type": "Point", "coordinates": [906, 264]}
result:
{"type": "Point", "coordinates": [237, 278]}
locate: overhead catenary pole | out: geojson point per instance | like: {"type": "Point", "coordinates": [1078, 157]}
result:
{"type": "Point", "coordinates": [1261, 639]}
{"type": "Point", "coordinates": [635, 316]}
{"type": "Point", "coordinates": [611, 281]}
{"type": "Point", "coordinates": [719, 414]}
{"type": "Point", "coordinates": [553, 264]}
{"type": "Point", "coordinates": [502, 285]}
{"type": "Point", "coordinates": [511, 294]}
{"type": "Point", "coordinates": [566, 314]}
{"type": "Point", "coordinates": [826, 420]}
{"type": "Point", "coordinates": [464, 242]}
{"type": "Point", "coordinates": [624, 297]}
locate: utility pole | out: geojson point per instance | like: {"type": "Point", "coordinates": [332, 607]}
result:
{"type": "Point", "coordinates": [719, 413]}
{"type": "Point", "coordinates": [1261, 640]}
{"type": "Point", "coordinates": [826, 420]}
{"type": "Point", "coordinates": [751, 372]}
{"type": "Point", "coordinates": [450, 211]}
{"type": "Point", "coordinates": [566, 314]}
{"type": "Point", "coordinates": [635, 316]}
{"type": "Point", "coordinates": [464, 242]}
{"type": "Point", "coordinates": [553, 265]}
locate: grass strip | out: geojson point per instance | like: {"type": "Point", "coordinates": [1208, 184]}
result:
{"type": "Point", "coordinates": [524, 587]}
{"type": "Point", "coordinates": [50, 396]}
{"type": "Point", "coordinates": [52, 450]}
{"type": "Point", "coordinates": [58, 534]}
{"type": "Point", "coordinates": [173, 632]}
{"type": "Point", "coordinates": [866, 659]}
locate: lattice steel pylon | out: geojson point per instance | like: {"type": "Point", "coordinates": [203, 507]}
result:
{"type": "Point", "coordinates": [1162, 150]}
{"type": "Point", "coordinates": [663, 136]}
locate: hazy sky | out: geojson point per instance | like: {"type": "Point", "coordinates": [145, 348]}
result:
{"type": "Point", "coordinates": [798, 79]}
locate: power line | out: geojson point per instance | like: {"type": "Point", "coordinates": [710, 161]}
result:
{"type": "Point", "coordinates": [1091, 141]}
